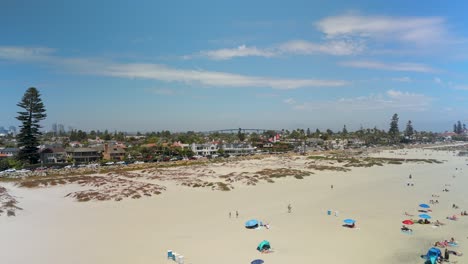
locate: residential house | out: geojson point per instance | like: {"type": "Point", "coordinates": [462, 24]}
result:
{"type": "Point", "coordinates": [53, 155]}
{"type": "Point", "coordinates": [83, 155]}
{"type": "Point", "coordinates": [113, 152]}
{"type": "Point", "coordinates": [238, 149]}
{"type": "Point", "coordinates": [205, 149]}
{"type": "Point", "coordinates": [9, 152]}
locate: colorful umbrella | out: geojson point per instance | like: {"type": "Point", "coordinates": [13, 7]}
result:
{"type": "Point", "coordinates": [251, 223]}
{"type": "Point", "coordinates": [257, 261]}
{"type": "Point", "coordinates": [424, 206]}
{"type": "Point", "coordinates": [425, 216]}
{"type": "Point", "coordinates": [349, 221]}
{"type": "Point", "coordinates": [408, 222]}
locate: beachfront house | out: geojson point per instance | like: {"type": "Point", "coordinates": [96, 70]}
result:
{"type": "Point", "coordinates": [53, 155]}
{"type": "Point", "coordinates": [238, 149]}
{"type": "Point", "coordinates": [204, 149]}
{"type": "Point", "coordinates": [113, 152]}
{"type": "Point", "coordinates": [83, 155]}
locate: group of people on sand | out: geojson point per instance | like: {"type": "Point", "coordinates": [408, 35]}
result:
{"type": "Point", "coordinates": [446, 256]}
{"type": "Point", "coordinates": [445, 243]}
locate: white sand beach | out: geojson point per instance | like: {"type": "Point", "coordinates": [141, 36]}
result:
{"type": "Point", "coordinates": [195, 221]}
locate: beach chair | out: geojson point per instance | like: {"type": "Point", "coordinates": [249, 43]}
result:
{"type": "Point", "coordinates": [169, 254]}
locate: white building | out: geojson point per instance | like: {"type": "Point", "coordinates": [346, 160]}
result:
{"type": "Point", "coordinates": [205, 149]}
{"type": "Point", "coordinates": [238, 149]}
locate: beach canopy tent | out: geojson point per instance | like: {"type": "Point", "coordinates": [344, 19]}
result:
{"type": "Point", "coordinates": [432, 255]}
{"type": "Point", "coordinates": [349, 221]}
{"type": "Point", "coordinates": [264, 245]}
{"type": "Point", "coordinates": [251, 223]}
{"type": "Point", "coordinates": [424, 206]}
{"type": "Point", "coordinates": [257, 261]}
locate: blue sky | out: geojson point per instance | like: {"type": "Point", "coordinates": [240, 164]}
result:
{"type": "Point", "coordinates": [202, 65]}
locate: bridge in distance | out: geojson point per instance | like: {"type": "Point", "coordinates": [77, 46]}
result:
{"type": "Point", "coordinates": [244, 130]}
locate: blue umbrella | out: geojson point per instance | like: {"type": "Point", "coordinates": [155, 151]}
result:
{"type": "Point", "coordinates": [349, 221]}
{"type": "Point", "coordinates": [424, 206]}
{"type": "Point", "coordinates": [257, 261]}
{"type": "Point", "coordinates": [425, 216]}
{"type": "Point", "coordinates": [251, 223]}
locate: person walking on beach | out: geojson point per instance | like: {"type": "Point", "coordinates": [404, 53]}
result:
{"type": "Point", "coordinates": [289, 208]}
{"type": "Point", "coordinates": [410, 176]}
{"type": "Point", "coordinates": [237, 214]}
{"type": "Point", "coordinates": [331, 186]}
{"type": "Point", "coordinates": [229, 214]}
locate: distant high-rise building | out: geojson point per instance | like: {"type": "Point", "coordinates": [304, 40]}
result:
{"type": "Point", "coordinates": [54, 129]}
{"type": "Point", "coordinates": [61, 129]}
{"type": "Point", "coordinates": [12, 130]}
{"type": "Point", "coordinates": [2, 130]}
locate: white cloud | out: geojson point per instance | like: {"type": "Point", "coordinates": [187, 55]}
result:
{"type": "Point", "coordinates": [241, 51]}
{"type": "Point", "coordinates": [391, 100]}
{"type": "Point", "coordinates": [24, 53]}
{"type": "Point", "coordinates": [290, 101]}
{"type": "Point", "coordinates": [414, 30]}
{"type": "Point", "coordinates": [158, 71]}
{"type": "Point", "coordinates": [335, 47]}
{"type": "Point", "coordinates": [211, 78]}
{"type": "Point", "coordinates": [294, 47]}
{"type": "Point", "coordinates": [376, 65]}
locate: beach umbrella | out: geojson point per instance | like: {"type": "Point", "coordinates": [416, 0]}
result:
{"type": "Point", "coordinates": [251, 223]}
{"type": "Point", "coordinates": [408, 222]}
{"type": "Point", "coordinates": [349, 221]}
{"type": "Point", "coordinates": [425, 216]}
{"type": "Point", "coordinates": [257, 261]}
{"type": "Point", "coordinates": [424, 206]}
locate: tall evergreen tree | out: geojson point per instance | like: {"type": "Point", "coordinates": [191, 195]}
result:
{"type": "Point", "coordinates": [240, 135]}
{"type": "Point", "coordinates": [459, 127]}
{"type": "Point", "coordinates": [409, 131]}
{"type": "Point", "coordinates": [455, 128]}
{"type": "Point", "coordinates": [394, 132]}
{"type": "Point", "coordinates": [345, 131]}
{"type": "Point", "coordinates": [308, 132]}
{"type": "Point", "coordinates": [28, 137]}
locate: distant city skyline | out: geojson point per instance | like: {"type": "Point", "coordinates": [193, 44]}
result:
{"type": "Point", "coordinates": [208, 65]}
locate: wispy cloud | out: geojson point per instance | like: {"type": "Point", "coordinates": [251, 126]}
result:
{"type": "Point", "coordinates": [336, 47]}
{"type": "Point", "coordinates": [211, 78]}
{"type": "Point", "coordinates": [290, 101]}
{"type": "Point", "coordinates": [414, 30]}
{"type": "Point", "coordinates": [293, 47]}
{"type": "Point", "coordinates": [241, 51]}
{"type": "Point", "coordinates": [158, 71]}
{"type": "Point", "coordinates": [391, 100]}
{"type": "Point", "coordinates": [377, 65]}
{"type": "Point", "coordinates": [24, 53]}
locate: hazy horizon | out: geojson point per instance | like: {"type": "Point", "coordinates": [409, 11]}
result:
{"type": "Point", "coordinates": [207, 65]}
